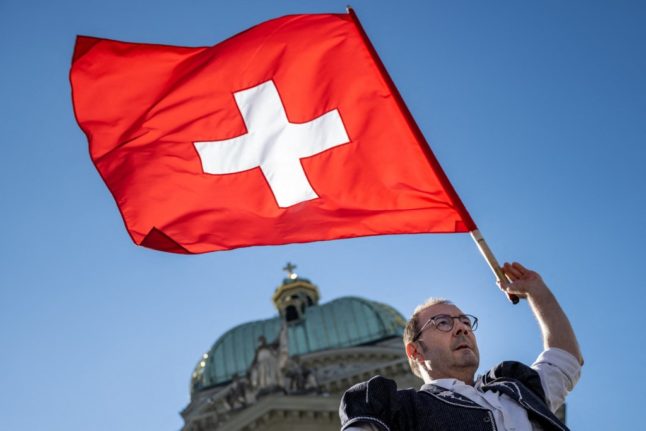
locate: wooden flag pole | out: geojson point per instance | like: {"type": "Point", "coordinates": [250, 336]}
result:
{"type": "Point", "coordinates": [491, 260]}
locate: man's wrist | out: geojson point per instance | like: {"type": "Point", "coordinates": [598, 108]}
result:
{"type": "Point", "coordinates": [541, 295]}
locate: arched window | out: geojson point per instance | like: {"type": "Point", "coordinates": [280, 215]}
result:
{"type": "Point", "coordinates": [291, 313]}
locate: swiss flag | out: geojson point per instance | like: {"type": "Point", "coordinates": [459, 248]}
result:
{"type": "Point", "coordinates": [288, 132]}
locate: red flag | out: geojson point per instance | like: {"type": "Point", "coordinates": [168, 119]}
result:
{"type": "Point", "coordinates": [288, 132]}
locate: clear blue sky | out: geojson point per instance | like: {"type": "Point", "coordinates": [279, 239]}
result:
{"type": "Point", "coordinates": [536, 110]}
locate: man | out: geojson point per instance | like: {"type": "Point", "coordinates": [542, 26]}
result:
{"type": "Point", "coordinates": [442, 350]}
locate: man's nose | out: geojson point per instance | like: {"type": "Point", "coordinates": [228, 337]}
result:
{"type": "Point", "coordinates": [460, 327]}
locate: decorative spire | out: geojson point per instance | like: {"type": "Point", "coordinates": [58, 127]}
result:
{"type": "Point", "coordinates": [289, 268]}
{"type": "Point", "coordinates": [294, 295]}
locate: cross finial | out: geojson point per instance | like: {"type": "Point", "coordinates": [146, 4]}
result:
{"type": "Point", "coordinates": [290, 267]}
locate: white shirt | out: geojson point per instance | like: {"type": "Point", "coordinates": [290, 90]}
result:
{"type": "Point", "coordinates": [559, 372]}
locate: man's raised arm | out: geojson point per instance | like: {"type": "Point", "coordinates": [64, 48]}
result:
{"type": "Point", "coordinates": [555, 326]}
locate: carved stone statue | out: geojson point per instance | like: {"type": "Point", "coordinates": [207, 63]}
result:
{"type": "Point", "coordinates": [298, 378]}
{"type": "Point", "coordinates": [236, 396]}
{"type": "Point", "coordinates": [266, 369]}
{"type": "Point", "coordinates": [265, 372]}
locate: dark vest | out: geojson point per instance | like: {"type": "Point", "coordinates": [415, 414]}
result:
{"type": "Point", "coordinates": [378, 401]}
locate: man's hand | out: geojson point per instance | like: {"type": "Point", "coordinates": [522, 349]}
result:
{"type": "Point", "coordinates": [522, 281]}
{"type": "Point", "coordinates": [555, 326]}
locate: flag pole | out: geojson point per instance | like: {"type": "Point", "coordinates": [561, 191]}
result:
{"type": "Point", "coordinates": [491, 260]}
{"type": "Point", "coordinates": [437, 168]}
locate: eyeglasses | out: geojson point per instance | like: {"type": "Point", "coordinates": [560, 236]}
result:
{"type": "Point", "coordinates": [444, 323]}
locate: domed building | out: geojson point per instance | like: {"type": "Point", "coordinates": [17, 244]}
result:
{"type": "Point", "coordinates": [290, 371]}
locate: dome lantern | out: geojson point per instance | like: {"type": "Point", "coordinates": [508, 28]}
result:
{"type": "Point", "coordinates": [294, 296]}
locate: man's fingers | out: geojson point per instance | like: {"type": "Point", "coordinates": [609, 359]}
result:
{"type": "Point", "coordinates": [520, 268]}
{"type": "Point", "coordinates": [507, 288]}
{"type": "Point", "coordinates": [512, 272]}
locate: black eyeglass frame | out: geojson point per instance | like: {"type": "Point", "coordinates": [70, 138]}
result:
{"type": "Point", "coordinates": [473, 326]}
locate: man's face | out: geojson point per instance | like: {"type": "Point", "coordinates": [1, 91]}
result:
{"type": "Point", "coordinates": [452, 354]}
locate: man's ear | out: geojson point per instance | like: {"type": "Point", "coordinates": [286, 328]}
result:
{"type": "Point", "coordinates": [412, 352]}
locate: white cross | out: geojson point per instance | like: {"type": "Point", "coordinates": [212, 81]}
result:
{"type": "Point", "coordinates": [273, 144]}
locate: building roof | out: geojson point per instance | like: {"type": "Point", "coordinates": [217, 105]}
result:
{"type": "Point", "coordinates": [343, 322]}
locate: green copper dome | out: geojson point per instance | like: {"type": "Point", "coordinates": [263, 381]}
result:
{"type": "Point", "coordinates": [344, 322]}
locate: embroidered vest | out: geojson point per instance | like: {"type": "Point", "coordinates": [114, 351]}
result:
{"type": "Point", "coordinates": [378, 401]}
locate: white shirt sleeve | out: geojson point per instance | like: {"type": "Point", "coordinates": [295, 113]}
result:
{"type": "Point", "coordinates": [363, 427]}
{"type": "Point", "coordinates": [559, 372]}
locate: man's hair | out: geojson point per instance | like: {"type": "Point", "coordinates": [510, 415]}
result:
{"type": "Point", "coordinates": [413, 325]}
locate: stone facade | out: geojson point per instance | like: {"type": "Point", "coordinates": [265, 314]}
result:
{"type": "Point", "coordinates": [299, 407]}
